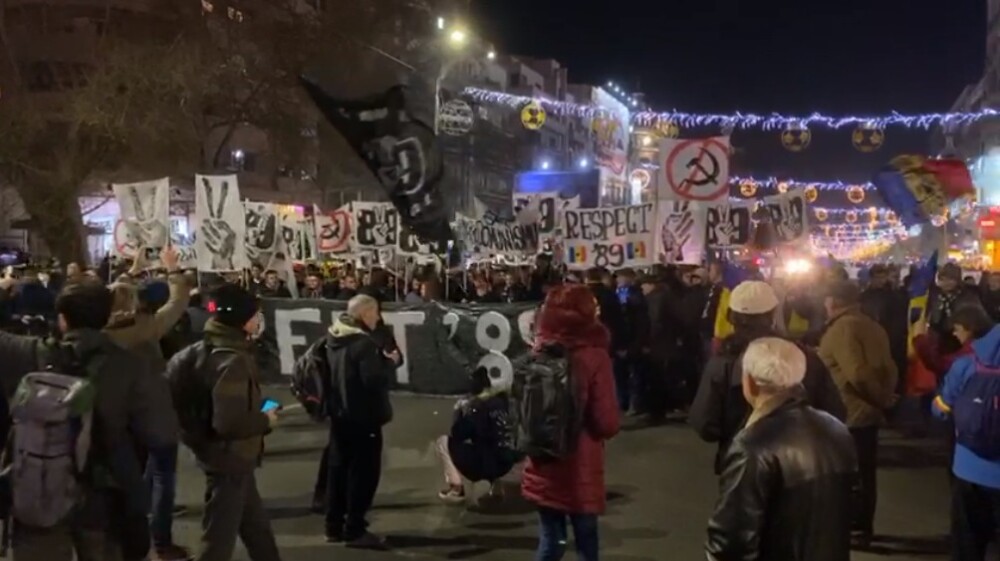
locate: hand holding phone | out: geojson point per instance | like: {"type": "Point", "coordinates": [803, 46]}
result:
{"type": "Point", "coordinates": [270, 405]}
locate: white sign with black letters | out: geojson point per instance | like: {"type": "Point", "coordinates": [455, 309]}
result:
{"type": "Point", "coordinates": [612, 238]}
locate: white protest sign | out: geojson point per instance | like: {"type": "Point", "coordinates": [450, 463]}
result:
{"type": "Point", "coordinates": [680, 233]}
{"type": "Point", "coordinates": [613, 237]}
{"type": "Point", "coordinates": [489, 235]}
{"type": "Point", "coordinates": [694, 169]}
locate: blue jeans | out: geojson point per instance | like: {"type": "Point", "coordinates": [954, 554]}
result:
{"type": "Point", "coordinates": [552, 536]}
{"type": "Point", "coordinates": [161, 478]}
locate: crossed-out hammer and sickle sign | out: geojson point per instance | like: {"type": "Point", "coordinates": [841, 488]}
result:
{"type": "Point", "coordinates": [696, 167]}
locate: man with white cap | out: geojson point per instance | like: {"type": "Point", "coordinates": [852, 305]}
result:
{"type": "Point", "coordinates": [786, 478]}
{"type": "Point", "coordinates": [720, 410]}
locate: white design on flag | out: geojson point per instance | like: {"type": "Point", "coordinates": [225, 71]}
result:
{"type": "Point", "coordinates": [144, 209]}
{"type": "Point", "coordinates": [220, 224]}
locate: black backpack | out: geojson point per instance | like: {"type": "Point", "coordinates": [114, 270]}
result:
{"type": "Point", "coordinates": [545, 417]}
{"type": "Point", "coordinates": [311, 381]}
{"type": "Point", "coordinates": [192, 392]}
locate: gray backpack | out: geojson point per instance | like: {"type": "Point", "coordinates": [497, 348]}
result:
{"type": "Point", "coordinates": [52, 416]}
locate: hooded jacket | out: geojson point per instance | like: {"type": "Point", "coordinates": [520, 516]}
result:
{"type": "Point", "coordinates": [575, 484]}
{"type": "Point", "coordinates": [785, 490]}
{"type": "Point", "coordinates": [133, 407]}
{"type": "Point", "coordinates": [142, 332]}
{"type": "Point", "coordinates": [235, 442]}
{"type": "Point", "coordinates": [966, 465]}
{"type": "Point", "coordinates": [719, 410]}
{"type": "Point", "coordinates": [360, 376]}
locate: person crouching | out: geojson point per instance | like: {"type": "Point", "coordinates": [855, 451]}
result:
{"type": "Point", "coordinates": [479, 446]}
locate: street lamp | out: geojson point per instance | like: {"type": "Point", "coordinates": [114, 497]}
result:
{"type": "Point", "coordinates": [491, 55]}
{"type": "Point", "coordinates": [584, 163]}
{"type": "Point", "coordinates": [457, 38]}
{"type": "Point", "coordinates": [546, 164]}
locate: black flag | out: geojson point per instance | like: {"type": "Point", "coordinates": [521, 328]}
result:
{"type": "Point", "coordinates": [402, 152]}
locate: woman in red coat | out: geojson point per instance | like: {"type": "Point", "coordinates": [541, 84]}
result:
{"type": "Point", "coordinates": [572, 488]}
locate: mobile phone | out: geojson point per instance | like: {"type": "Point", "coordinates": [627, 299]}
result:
{"type": "Point", "coordinates": [270, 405]}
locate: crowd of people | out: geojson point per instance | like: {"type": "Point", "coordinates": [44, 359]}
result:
{"type": "Point", "coordinates": [794, 398]}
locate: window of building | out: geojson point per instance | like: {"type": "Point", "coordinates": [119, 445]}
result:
{"type": "Point", "coordinates": [242, 160]}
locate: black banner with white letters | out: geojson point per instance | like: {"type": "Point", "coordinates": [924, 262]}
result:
{"type": "Point", "coordinates": [442, 344]}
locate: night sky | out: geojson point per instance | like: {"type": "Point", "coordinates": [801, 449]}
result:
{"type": "Point", "coordinates": [788, 56]}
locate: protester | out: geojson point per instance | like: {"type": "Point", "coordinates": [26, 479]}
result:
{"type": "Point", "coordinates": [137, 323]}
{"type": "Point", "coordinates": [572, 488]}
{"type": "Point", "coordinates": [272, 286]}
{"type": "Point", "coordinates": [610, 310]}
{"type": "Point", "coordinates": [720, 409]}
{"type": "Point", "coordinates": [662, 350]}
{"type": "Point", "coordinates": [478, 446]}
{"type": "Point", "coordinates": [938, 354]}
{"type": "Point", "coordinates": [889, 307]}
{"type": "Point", "coordinates": [313, 287]}
{"type": "Point", "coordinates": [858, 354]}
{"type": "Point", "coordinates": [786, 478]}
{"type": "Point", "coordinates": [991, 294]}
{"type": "Point", "coordinates": [975, 464]}
{"type": "Point", "coordinates": [228, 438]}
{"type": "Point", "coordinates": [130, 412]}
{"type": "Point", "coordinates": [629, 373]}
{"type": "Point", "coordinates": [950, 295]}
{"type": "Point", "coordinates": [361, 372]}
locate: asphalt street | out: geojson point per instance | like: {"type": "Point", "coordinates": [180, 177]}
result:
{"type": "Point", "coordinates": [660, 485]}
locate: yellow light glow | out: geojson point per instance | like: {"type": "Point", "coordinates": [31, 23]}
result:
{"type": "Point", "coordinates": [457, 37]}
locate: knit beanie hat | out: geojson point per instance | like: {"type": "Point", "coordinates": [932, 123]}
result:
{"type": "Point", "coordinates": [234, 305]}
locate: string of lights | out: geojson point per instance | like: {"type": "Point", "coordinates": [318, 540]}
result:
{"type": "Point", "coordinates": [778, 184]}
{"type": "Point", "coordinates": [773, 121]}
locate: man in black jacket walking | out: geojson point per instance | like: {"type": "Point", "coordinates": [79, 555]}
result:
{"type": "Point", "coordinates": [361, 373]}
{"type": "Point", "coordinates": [786, 480]}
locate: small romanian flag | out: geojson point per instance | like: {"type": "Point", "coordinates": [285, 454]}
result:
{"type": "Point", "coordinates": [636, 250]}
{"type": "Point", "coordinates": [577, 254]}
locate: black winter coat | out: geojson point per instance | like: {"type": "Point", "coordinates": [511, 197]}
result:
{"type": "Point", "coordinates": [611, 315]}
{"type": "Point", "coordinates": [719, 410]}
{"type": "Point", "coordinates": [360, 377]}
{"type": "Point", "coordinates": [786, 489]}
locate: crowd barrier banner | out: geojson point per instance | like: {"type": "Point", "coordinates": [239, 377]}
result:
{"type": "Point", "coordinates": [442, 343]}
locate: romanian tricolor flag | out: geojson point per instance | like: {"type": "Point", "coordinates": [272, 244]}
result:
{"type": "Point", "coordinates": [919, 378]}
{"type": "Point", "coordinates": [635, 250]}
{"type": "Point", "coordinates": [576, 254]}
{"type": "Point", "coordinates": [732, 276]}
{"type": "Point", "coordinates": [917, 188]}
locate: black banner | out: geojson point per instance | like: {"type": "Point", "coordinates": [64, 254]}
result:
{"type": "Point", "coordinates": [401, 152]}
{"type": "Point", "coordinates": [442, 344]}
